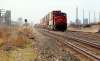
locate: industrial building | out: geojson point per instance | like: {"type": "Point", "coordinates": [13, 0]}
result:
{"type": "Point", "coordinates": [5, 16]}
{"type": "Point", "coordinates": [85, 21]}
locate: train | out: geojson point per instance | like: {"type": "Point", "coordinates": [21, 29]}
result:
{"type": "Point", "coordinates": [55, 20]}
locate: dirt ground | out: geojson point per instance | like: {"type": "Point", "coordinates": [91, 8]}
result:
{"type": "Point", "coordinates": [92, 29]}
{"type": "Point", "coordinates": [50, 51]}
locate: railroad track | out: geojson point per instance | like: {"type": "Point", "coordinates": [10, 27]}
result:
{"type": "Point", "coordinates": [85, 39]}
{"type": "Point", "coordinates": [88, 35]}
{"type": "Point", "coordinates": [79, 38]}
{"type": "Point", "coordinates": [77, 46]}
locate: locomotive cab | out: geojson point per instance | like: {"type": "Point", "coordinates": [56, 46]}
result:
{"type": "Point", "coordinates": [60, 21]}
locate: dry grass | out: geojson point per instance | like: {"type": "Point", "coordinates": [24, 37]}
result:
{"type": "Point", "coordinates": [1, 42]}
{"type": "Point", "coordinates": [14, 39]}
{"type": "Point", "coordinates": [17, 40]}
{"type": "Point", "coordinates": [3, 56]}
{"type": "Point", "coordinates": [27, 54]}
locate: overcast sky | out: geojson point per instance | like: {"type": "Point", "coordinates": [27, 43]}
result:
{"type": "Point", "coordinates": [36, 9]}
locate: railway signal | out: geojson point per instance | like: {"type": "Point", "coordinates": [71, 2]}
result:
{"type": "Point", "coordinates": [26, 24]}
{"type": "Point", "coordinates": [25, 20]}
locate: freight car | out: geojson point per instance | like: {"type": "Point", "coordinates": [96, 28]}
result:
{"type": "Point", "coordinates": [55, 20]}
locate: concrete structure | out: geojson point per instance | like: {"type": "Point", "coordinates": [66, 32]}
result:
{"type": "Point", "coordinates": [93, 28]}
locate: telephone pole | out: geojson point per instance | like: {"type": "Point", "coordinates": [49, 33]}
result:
{"type": "Point", "coordinates": [83, 15]}
{"type": "Point", "coordinates": [99, 16]}
{"type": "Point", "coordinates": [94, 17]}
{"type": "Point", "coordinates": [89, 18]}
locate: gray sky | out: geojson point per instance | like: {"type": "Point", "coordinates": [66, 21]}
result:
{"type": "Point", "coordinates": [36, 9]}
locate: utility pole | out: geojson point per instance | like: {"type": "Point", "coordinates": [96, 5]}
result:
{"type": "Point", "coordinates": [99, 16]}
{"type": "Point", "coordinates": [77, 20]}
{"type": "Point", "coordinates": [89, 18]}
{"type": "Point", "coordinates": [77, 13]}
{"type": "Point", "coordinates": [99, 21]}
{"type": "Point", "coordinates": [94, 17]}
{"type": "Point", "coordinates": [83, 16]}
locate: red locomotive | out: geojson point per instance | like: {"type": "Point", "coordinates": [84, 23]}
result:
{"type": "Point", "coordinates": [55, 20]}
